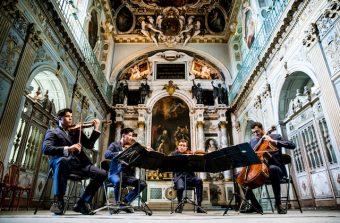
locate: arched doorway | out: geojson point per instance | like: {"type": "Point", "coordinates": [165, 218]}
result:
{"type": "Point", "coordinates": [315, 160]}
{"type": "Point", "coordinates": [47, 96]}
{"type": "Point", "coordinates": [170, 122]}
{"type": "Point", "coordinates": [47, 82]}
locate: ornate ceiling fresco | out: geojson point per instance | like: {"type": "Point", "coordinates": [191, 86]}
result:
{"type": "Point", "coordinates": [172, 23]}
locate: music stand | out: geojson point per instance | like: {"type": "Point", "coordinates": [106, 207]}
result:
{"type": "Point", "coordinates": [239, 156]}
{"type": "Point", "coordinates": [141, 202]}
{"type": "Point", "coordinates": [137, 155]}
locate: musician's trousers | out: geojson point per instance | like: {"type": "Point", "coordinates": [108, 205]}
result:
{"type": "Point", "coordinates": [275, 174]}
{"type": "Point", "coordinates": [127, 180]}
{"type": "Point", "coordinates": [63, 166]}
{"type": "Point", "coordinates": [191, 182]}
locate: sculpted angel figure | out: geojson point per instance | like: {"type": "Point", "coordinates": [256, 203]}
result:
{"type": "Point", "coordinates": [192, 29]}
{"type": "Point", "coordinates": [149, 30]}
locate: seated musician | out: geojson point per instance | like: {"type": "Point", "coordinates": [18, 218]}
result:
{"type": "Point", "coordinates": [191, 179]}
{"type": "Point", "coordinates": [62, 143]}
{"type": "Point", "coordinates": [276, 166]}
{"type": "Point", "coordinates": [116, 167]}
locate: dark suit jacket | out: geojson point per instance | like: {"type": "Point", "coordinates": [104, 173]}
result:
{"type": "Point", "coordinates": [56, 139]}
{"type": "Point", "coordinates": [115, 166]}
{"type": "Point", "coordinates": [277, 156]}
{"type": "Point", "coordinates": [178, 175]}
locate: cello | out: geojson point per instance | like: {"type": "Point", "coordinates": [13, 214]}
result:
{"type": "Point", "coordinates": [255, 175]}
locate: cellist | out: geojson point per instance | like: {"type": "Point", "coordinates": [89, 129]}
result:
{"type": "Point", "coordinates": [276, 166]}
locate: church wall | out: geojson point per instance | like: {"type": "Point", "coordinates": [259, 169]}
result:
{"type": "Point", "coordinates": [214, 53]}
{"type": "Point", "coordinates": [313, 59]}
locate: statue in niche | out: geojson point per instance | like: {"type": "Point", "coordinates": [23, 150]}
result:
{"type": "Point", "coordinates": [219, 93]}
{"type": "Point", "coordinates": [197, 92]}
{"type": "Point", "coordinates": [144, 91]}
{"type": "Point", "coordinates": [122, 91]}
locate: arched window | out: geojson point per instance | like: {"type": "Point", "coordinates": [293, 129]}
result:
{"type": "Point", "coordinates": [47, 81]}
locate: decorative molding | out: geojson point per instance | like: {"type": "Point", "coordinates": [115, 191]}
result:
{"type": "Point", "coordinates": [170, 88]}
{"type": "Point", "coordinates": [292, 15]}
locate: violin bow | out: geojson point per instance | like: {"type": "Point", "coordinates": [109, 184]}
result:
{"type": "Point", "coordinates": [81, 118]}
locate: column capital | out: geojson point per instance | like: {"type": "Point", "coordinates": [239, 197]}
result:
{"type": "Point", "coordinates": [200, 124]}
{"type": "Point", "coordinates": [222, 125]}
{"type": "Point", "coordinates": [119, 124]}
{"type": "Point", "coordinates": [141, 124]}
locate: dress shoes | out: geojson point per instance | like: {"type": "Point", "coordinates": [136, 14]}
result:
{"type": "Point", "coordinates": [83, 208]}
{"type": "Point", "coordinates": [200, 210]}
{"type": "Point", "coordinates": [251, 210]}
{"type": "Point", "coordinates": [281, 209]}
{"type": "Point", "coordinates": [126, 207]}
{"type": "Point", "coordinates": [179, 209]}
{"type": "Point", "coordinates": [57, 208]}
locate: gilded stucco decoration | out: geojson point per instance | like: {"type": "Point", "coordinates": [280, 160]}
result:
{"type": "Point", "coordinates": [173, 22]}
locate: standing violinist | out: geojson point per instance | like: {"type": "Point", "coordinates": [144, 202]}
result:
{"type": "Point", "coordinates": [62, 143]}
{"type": "Point", "coordinates": [190, 177]}
{"type": "Point", "coordinates": [276, 166]}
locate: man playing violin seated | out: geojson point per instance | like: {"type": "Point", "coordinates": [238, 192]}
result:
{"type": "Point", "coordinates": [275, 164]}
{"type": "Point", "coordinates": [68, 156]}
{"type": "Point", "coordinates": [190, 177]}
{"type": "Point", "coordinates": [128, 173]}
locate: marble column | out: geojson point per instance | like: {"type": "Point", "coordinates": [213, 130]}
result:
{"type": "Point", "coordinates": [142, 114]}
{"type": "Point", "coordinates": [141, 132]}
{"type": "Point", "coordinates": [119, 126]}
{"type": "Point", "coordinates": [104, 138]}
{"type": "Point", "coordinates": [119, 121]}
{"type": "Point", "coordinates": [199, 144]}
{"type": "Point", "coordinates": [200, 135]}
{"type": "Point", "coordinates": [224, 143]}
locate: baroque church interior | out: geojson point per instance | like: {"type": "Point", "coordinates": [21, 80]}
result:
{"type": "Point", "coordinates": [203, 70]}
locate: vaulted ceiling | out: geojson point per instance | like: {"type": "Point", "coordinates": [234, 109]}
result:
{"type": "Point", "coordinates": [175, 22]}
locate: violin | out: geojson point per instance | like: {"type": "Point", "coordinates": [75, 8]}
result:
{"type": "Point", "coordinates": [77, 127]}
{"type": "Point", "coordinates": [200, 152]}
{"type": "Point", "coordinates": [188, 152]}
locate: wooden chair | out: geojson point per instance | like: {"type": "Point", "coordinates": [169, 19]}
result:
{"type": "Point", "coordinates": [2, 184]}
{"type": "Point", "coordinates": [11, 184]}
{"type": "Point", "coordinates": [24, 189]}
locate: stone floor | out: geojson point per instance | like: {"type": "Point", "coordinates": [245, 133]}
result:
{"type": "Point", "coordinates": [308, 216]}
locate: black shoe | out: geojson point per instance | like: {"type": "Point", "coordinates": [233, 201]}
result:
{"type": "Point", "coordinates": [126, 207]}
{"type": "Point", "coordinates": [281, 209]}
{"type": "Point", "coordinates": [57, 208]}
{"type": "Point", "coordinates": [83, 208]}
{"type": "Point", "coordinates": [200, 210]}
{"type": "Point", "coordinates": [179, 209]}
{"type": "Point", "coordinates": [251, 210]}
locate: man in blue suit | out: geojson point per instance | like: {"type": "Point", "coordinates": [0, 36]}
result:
{"type": "Point", "coordinates": [276, 166]}
{"type": "Point", "coordinates": [68, 156]}
{"type": "Point", "coordinates": [117, 167]}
